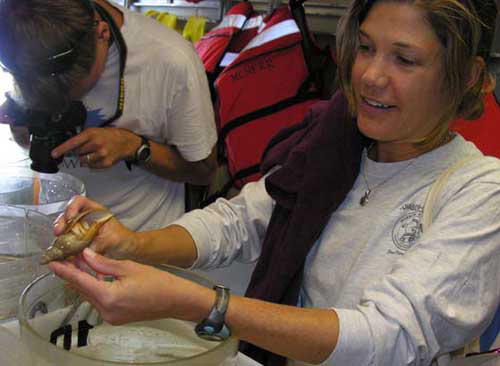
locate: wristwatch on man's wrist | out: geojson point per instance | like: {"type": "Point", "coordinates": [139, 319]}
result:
{"type": "Point", "coordinates": [213, 328]}
{"type": "Point", "coordinates": [142, 154]}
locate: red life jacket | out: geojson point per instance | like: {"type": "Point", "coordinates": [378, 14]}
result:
{"type": "Point", "coordinates": [212, 46]}
{"type": "Point", "coordinates": [249, 30]}
{"type": "Point", "coordinates": [263, 89]}
{"type": "Point", "coordinates": [485, 131]}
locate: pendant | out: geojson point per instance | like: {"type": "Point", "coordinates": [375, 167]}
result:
{"type": "Point", "coordinates": [364, 200]}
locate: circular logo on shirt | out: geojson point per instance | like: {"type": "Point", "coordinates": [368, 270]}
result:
{"type": "Point", "coordinates": [407, 230]}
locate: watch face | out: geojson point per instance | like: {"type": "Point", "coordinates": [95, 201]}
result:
{"type": "Point", "coordinates": [208, 332]}
{"type": "Point", "coordinates": [144, 153]}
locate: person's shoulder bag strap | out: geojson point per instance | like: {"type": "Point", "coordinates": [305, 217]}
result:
{"type": "Point", "coordinates": [432, 196]}
{"type": "Point", "coordinates": [438, 186]}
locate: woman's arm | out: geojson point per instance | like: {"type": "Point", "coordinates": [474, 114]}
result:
{"type": "Point", "coordinates": [213, 237]}
{"type": "Point", "coordinates": [140, 292]}
{"type": "Point", "coordinates": [171, 245]}
{"type": "Point", "coordinates": [308, 335]}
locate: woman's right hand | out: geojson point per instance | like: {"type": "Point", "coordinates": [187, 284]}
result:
{"type": "Point", "coordinates": [138, 292]}
{"type": "Point", "coordinates": [113, 239]}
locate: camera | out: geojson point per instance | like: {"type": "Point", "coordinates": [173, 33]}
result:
{"type": "Point", "coordinates": [47, 131]}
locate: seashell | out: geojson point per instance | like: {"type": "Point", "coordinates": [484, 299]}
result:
{"type": "Point", "coordinates": [76, 237]}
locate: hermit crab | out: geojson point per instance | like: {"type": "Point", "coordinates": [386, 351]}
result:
{"type": "Point", "coordinates": [78, 235]}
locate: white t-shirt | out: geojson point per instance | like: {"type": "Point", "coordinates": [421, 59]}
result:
{"type": "Point", "coordinates": [403, 297]}
{"type": "Point", "coordinates": [167, 100]}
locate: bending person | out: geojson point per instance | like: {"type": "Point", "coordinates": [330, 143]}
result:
{"type": "Point", "coordinates": [149, 126]}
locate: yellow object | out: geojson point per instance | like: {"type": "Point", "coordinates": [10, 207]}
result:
{"type": "Point", "coordinates": [169, 20]}
{"type": "Point", "coordinates": [194, 28]}
{"type": "Point", "coordinates": [152, 14]}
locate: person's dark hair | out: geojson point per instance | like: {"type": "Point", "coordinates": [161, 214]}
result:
{"type": "Point", "coordinates": [488, 13]}
{"type": "Point", "coordinates": [34, 31]}
{"type": "Point", "coordinates": [463, 35]}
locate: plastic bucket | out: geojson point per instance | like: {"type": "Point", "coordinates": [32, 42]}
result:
{"type": "Point", "coordinates": [166, 342]}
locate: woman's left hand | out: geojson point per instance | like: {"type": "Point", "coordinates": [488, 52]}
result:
{"type": "Point", "coordinates": [137, 293]}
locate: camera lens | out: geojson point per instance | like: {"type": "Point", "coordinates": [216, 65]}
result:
{"type": "Point", "coordinates": [50, 167]}
{"type": "Point", "coordinates": [49, 131]}
{"type": "Point", "coordinates": [41, 160]}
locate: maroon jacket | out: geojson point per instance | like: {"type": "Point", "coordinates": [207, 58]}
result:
{"type": "Point", "coordinates": [320, 161]}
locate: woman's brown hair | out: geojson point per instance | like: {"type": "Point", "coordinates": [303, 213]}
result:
{"type": "Point", "coordinates": [457, 25]}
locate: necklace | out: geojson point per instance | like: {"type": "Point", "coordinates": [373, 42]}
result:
{"type": "Point", "coordinates": [366, 196]}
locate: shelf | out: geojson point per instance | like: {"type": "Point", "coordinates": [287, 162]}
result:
{"type": "Point", "coordinates": [322, 15]}
{"type": "Point", "coordinates": [206, 4]}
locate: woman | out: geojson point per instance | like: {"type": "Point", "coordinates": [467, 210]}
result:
{"type": "Point", "coordinates": [374, 288]}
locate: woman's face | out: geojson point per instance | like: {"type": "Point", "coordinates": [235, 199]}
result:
{"type": "Point", "coordinates": [397, 76]}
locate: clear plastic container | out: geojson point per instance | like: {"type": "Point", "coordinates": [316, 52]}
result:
{"type": "Point", "coordinates": [166, 342]}
{"type": "Point", "coordinates": [45, 193]}
{"type": "Point", "coordinates": [23, 235]}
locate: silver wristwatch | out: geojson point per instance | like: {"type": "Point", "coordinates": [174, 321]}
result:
{"type": "Point", "coordinates": [213, 327]}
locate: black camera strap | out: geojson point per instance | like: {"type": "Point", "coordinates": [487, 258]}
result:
{"type": "Point", "coordinates": [117, 37]}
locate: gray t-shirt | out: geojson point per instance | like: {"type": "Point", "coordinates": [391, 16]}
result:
{"type": "Point", "coordinates": [403, 297]}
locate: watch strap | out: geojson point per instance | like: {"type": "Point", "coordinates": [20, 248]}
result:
{"type": "Point", "coordinates": [213, 327]}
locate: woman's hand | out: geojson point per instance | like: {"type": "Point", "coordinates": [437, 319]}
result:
{"type": "Point", "coordinates": [141, 292]}
{"type": "Point", "coordinates": [113, 238]}
{"type": "Point", "coordinates": [138, 292]}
